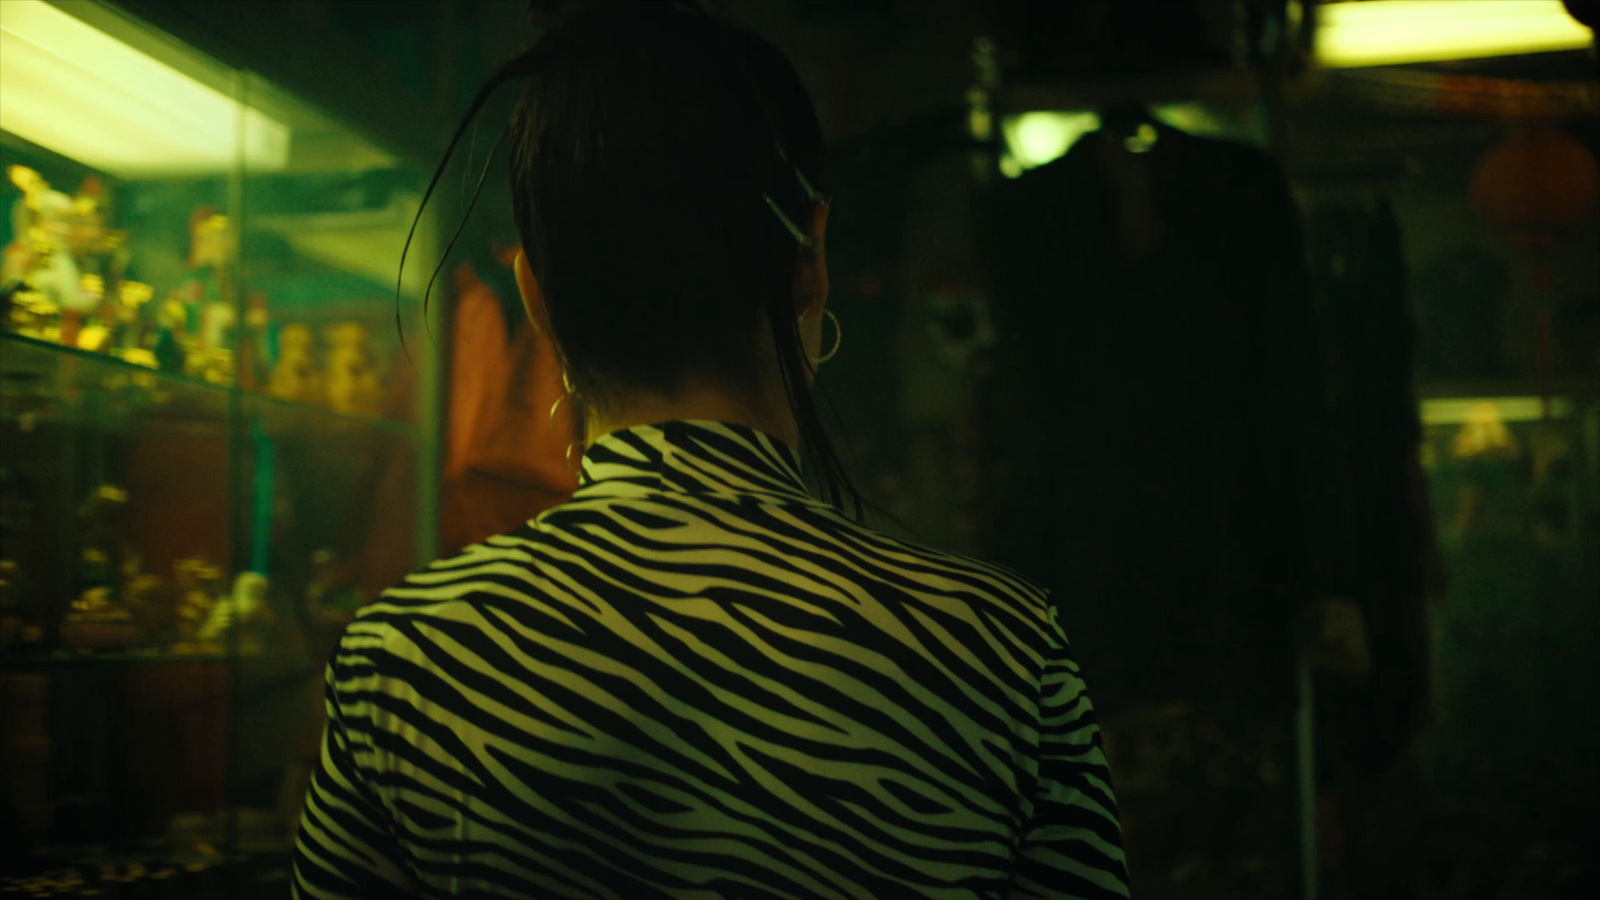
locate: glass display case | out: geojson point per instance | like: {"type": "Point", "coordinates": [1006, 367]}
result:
{"type": "Point", "coordinates": [214, 445]}
{"type": "Point", "coordinates": [1515, 490]}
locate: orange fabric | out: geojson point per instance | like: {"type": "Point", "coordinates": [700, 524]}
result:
{"type": "Point", "coordinates": [523, 442]}
{"type": "Point", "coordinates": [480, 369]}
{"type": "Point", "coordinates": [504, 462]}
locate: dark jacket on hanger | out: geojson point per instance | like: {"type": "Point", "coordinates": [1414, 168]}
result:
{"type": "Point", "coordinates": [1160, 300]}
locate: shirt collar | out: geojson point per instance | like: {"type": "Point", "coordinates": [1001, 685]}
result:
{"type": "Point", "coordinates": [692, 457]}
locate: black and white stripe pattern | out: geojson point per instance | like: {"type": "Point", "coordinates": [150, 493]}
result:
{"type": "Point", "coordinates": [696, 681]}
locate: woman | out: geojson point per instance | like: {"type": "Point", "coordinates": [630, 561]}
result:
{"type": "Point", "coordinates": [696, 679]}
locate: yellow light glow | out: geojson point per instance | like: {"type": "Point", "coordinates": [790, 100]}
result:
{"type": "Point", "coordinates": [1392, 32]}
{"type": "Point", "coordinates": [366, 243]}
{"type": "Point", "coordinates": [1462, 410]}
{"type": "Point", "coordinates": [80, 92]}
{"type": "Point", "coordinates": [1192, 118]}
{"type": "Point", "coordinates": [1035, 138]}
{"type": "Point", "coordinates": [1143, 140]}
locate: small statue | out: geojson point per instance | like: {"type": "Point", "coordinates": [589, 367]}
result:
{"type": "Point", "coordinates": [20, 258]}
{"type": "Point", "coordinates": [152, 599]}
{"type": "Point", "coordinates": [353, 387]}
{"type": "Point", "coordinates": [296, 377]}
{"type": "Point", "coordinates": [30, 312]}
{"type": "Point", "coordinates": [170, 353]}
{"type": "Point", "coordinates": [131, 298]}
{"type": "Point", "coordinates": [217, 366]}
{"type": "Point", "coordinates": [101, 531]}
{"type": "Point", "coordinates": [254, 341]}
{"type": "Point", "coordinates": [202, 331]}
{"type": "Point", "coordinates": [40, 254]}
{"type": "Point", "coordinates": [1484, 435]}
{"type": "Point", "coordinates": [199, 582]}
{"type": "Point", "coordinates": [216, 326]}
{"type": "Point", "coordinates": [97, 622]}
{"type": "Point", "coordinates": [245, 606]}
{"type": "Point", "coordinates": [101, 255]}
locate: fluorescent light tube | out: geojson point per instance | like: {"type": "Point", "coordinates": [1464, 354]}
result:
{"type": "Point", "coordinates": [1460, 410]}
{"type": "Point", "coordinates": [1392, 32]}
{"type": "Point", "coordinates": [86, 95]}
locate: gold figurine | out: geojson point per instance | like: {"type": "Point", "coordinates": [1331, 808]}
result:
{"type": "Point", "coordinates": [199, 583]}
{"type": "Point", "coordinates": [353, 387]}
{"type": "Point", "coordinates": [245, 607]}
{"type": "Point", "coordinates": [296, 377]}
{"type": "Point", "coordinates": [40, 256]}
{"type": "Point", "coordinates": [97, 622]}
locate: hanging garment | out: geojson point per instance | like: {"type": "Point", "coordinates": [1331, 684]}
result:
{"type": "Point", "coordinates": [1159, 290]}
{"type": "Point", "coordinates": [504, 461]}
{"type": "Point", "coordinates": [1388, 557]}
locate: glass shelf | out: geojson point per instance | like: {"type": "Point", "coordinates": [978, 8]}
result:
{"type": "Point", "coordinates": [43, 381]}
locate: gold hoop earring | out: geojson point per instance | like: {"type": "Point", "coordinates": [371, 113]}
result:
{"type": "Point", "coordinates": [554, 407]}
{"type": "Point", "coordinates": [838, 338]}
{"type": "Point", "coordinates": [576, 470]}
{"type": "Point", "coordinates": [556, 429]}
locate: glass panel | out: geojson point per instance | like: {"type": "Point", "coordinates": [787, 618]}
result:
{"type": "Point", "coordinates": [329, 446]}
{"type": "Point", "coordinates": [1513, 493]}
{"type": "Point", "coordinates": [1476, 574]}
{"type": "Point", "coordinates": [211, 441]}
{"type": "Point", "coordinates": [119, 151]}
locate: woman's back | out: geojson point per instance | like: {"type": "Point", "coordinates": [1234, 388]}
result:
{"type": "Point", "coordinates": [694, 680]}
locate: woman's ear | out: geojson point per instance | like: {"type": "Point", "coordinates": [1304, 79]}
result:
{"type": "Point", "coordinates": [532, 297]}
{"type": "Point", "coordinates": [811, 275]}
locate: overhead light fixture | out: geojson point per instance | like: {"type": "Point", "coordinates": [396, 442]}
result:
{"type": "Point", "coordinates": [1461, 410]}
{"type": "Point", "coordinates": [1393, 32]}
{"type": "Point", "coordinates": [74, 89]}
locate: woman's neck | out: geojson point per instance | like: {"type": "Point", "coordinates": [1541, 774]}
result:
{"type": "Point", "coordinates": [700, 400]}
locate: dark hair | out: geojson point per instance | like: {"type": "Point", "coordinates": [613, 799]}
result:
{"type": "Point", "coordinates": [642, 152]}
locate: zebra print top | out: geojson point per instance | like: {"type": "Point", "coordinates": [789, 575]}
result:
{"type": "Point", "coordinates": [694, 680]}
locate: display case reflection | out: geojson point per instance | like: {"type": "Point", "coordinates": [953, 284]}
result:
{"type": "Point", "coordinates": [176, 343]}
{"type": "Point", "coordinates": [212, 449]}
{"type": "Point", "coordinates": [1515, 485]}
{"type": "Point", "coordinates": [201, 379]}
{"type": "Point", "coordinates": [1506, 468]}
{"type": "Point", "coordinates": [119, 604]}
{"type": "Point", "coordinates": [65, 279]}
